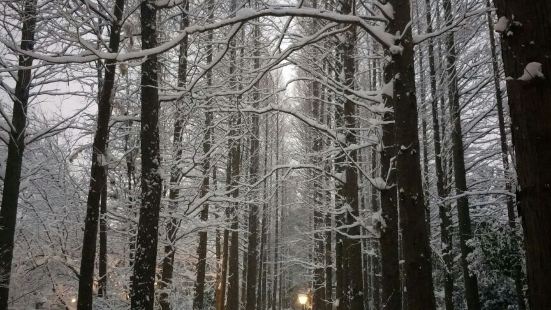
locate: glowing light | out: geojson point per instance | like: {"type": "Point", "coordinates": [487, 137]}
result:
{"type": "Point", "coordinates": [302, 299]}
{"type": "Point", "coordinates": [73, 300]}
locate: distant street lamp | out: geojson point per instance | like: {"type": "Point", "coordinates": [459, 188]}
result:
{"type": "Point", "coordinates": [303, 299]}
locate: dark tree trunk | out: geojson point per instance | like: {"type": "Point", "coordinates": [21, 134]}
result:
{"type": "Point", "coordinates": [318, 299]}
{"type": "Point", "coordinates": [526, 41]}
{"type": "Point", "coordinates": [198, 300]}
{"type": "Point", "coordinates": [443, 207]}
{"type": "Point", "coordinates": [167, 267]}
{"type": "Point", "coordinates": [347, 188]}
{"type": "Point", "coordinates": [328, 263]}
{"type": "Point", "coordinates": [264, 253]}
{"type": "Point", "coordinates": [233, 263]}
{"type": "Point", "coordinates": [131, 179]}
{"type": "Point", "coordinates": [233, 251]}
{"type": "Point", "coordinates": [390, 267]}
{"type": "Point", "coordinates": [390, 278]}
{"type": "Point", "coordinates": [252, 253]}
{"type": "Point", "coordinates": [418, 269]}
{"type": "Point", "coordinates": [102, 268]}
{"type": "Point", "coordinates": [234, 157]}
{"type": "Point", "coordinates": [254, 155]}
{"type": "Point", "coordinates": [97, 175]}
{"type": "Point", "coordinates": [339, 167]}
{"type": "Point", "coordinates": [327, 108]}
{"type": "Point", "coordinates": [221, 289]}
{"type": "Point", "coordinates": [275, 280]}
{"type": "Point", "coordinates": [377, 275]}
{"type": "Point", "coordinates": [143, 286]}
{"type": "Point", "coordinates": [16, 147]}
{"type": "Point", "coordinates": [518, 275]}
{"type": "Point", "coordinates": [464, 219]}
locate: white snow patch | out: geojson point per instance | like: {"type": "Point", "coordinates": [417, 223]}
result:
{"type": "Point", "coordinates": [103, 160]}
{"type": "Point", "coordinates": [502, 24]}
{"type": "Point", "coordinates": [531, 71]}
{"type": "Point", "coordinates": [341, 176]}
{"type": "Point", "coordinates": [396, 49]}
{"type": "Point", "coordinates": [388, 89]}
{"type": "Point", "coordinates": [245, 12]}
{"type": "Point", "coordinates": [379, 183]}
{"type": "Point", "coordinates": [387, 9]}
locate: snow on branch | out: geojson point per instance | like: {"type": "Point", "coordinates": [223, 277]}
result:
{"type": "Point", "coordinates": [376, 31]}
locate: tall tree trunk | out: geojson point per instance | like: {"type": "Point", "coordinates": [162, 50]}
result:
{"type": "Point", "coordinates": [390, 267]}
{"type": "Point", "coordinates": [131, 179]}
{"type": "Point", "coordinates": [97, 174]}
{"type": "Point", "coordinates": [390, 279]}
{"type": "Point", "coordinates": [518, 274]}
{"type": "Point", "coordinates": [327, 108]}
{"type": "Point", "coordinates": [375, 245]}
{"type": "Point", "coordinates": [443, 207]}
{"type": "Point", "coordinates": [328, 261]}
{"type": "Point", "coordinates": [233, 255]}
{"type": "Point", "coordinates": [198, 300]}
{"type": "Point", "coordinates": [264, 254]}
{"type": "Point", "coordinates": [167, 266]}
{"type": "Point", "coordinates": [230, 253]}
{"type": "Point", "coordinates": [233, 302]}
{"type": "Point", "coordinates": [526, 48]}
{"type": "Point", "coordinates": [143, 286]}
{"type": "Point", "coordinates": [275, 281]}
{"type": "Point", "coordinates": [464, 219]}
{"type": "Point", "coordinates": [280, 236]}
{"type": "Point", "coordinates": [102, 268]}
{"type": "Point", "coordinates": [254, 155]}
{"type": "Point", "coordinates": [221, 289]}
{"type": "Point", "coordinates": [400, 70]}
{"type": "Point", "coordinates": [347, 189]}
{"type": "Point", "coordinates": [318, 299]}
{"type": "Point", "coordinates": [338, 169]}
{"type": "Point", "coordinates": [16, 147]}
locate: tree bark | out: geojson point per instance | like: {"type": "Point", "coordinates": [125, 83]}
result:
{"type": "Point", "coordinates": [97, 175]}
{"type": "Point", "coordinates": [167, 267]}
{"type": "Point", "coordinates": [518, 275]}
{"type": "Point", "coordinates": [198, 300]}
{"type": "Point", "coordinates": [264, 253]}
{"type": "Point", "coordinates": [443, 207]}
{"type": "Point", "coordinates": [390, 268]}
{"type": "Point", "coordinates": [526, 41]}
{"type": "Point", "coordinates": [347, 188]}
{"type": "Point", "coordinates": [254, 155]}
{"type": "Point", "coordinates": [233, 255]}
{"type": "Point", "coordinates": [275, 281]}
{"type": "Point", "coordinates": [102, 268]}
{"type": "Point", "coordinates": [221, 290]}
{"type": "Point", "coordinates": [233, 301]}
{"type": "Point", "coordinates": [143, 286]}
{"type": "Point", "coordinates": [458, 155]}
{"type": "Point", "coordinates": [318, 299]}
{"type": "Point", "coordinates": [418, 269]}
{"type": "Point", "coordinates": [16, 147]}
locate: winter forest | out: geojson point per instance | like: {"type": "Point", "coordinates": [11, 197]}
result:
{"type": "Point", "coordinates": [275, 154]}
